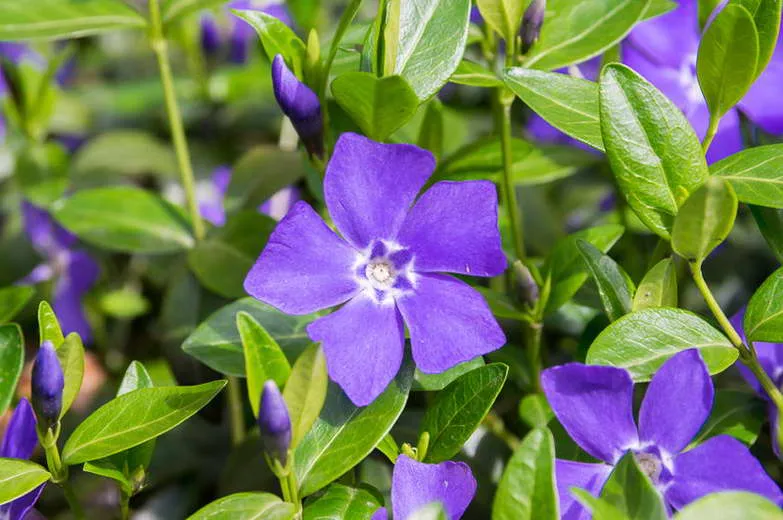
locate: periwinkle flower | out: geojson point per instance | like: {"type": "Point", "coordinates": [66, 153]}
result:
{"type": "Point", "coordinates": [274, 423]}
{"type": "Point", "coordinates": [532, 21]}
{"type": "Point", "coordinates": [19, 442]}
{"type": "Point", "coordinates": [386, 267]}
{"type": "Point", "coordinates": [47, 383]}
{"type": "Point", "coordinates": [595, 406]}
{"type": "Point", "coordinates": [416, 485]}
{"type": "Point", "coordinates": [73, 270]}
{"type": "Point", "coordinates": [300, 104]}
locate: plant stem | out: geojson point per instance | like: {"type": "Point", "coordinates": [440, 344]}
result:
{"type": "Point", "coordinates": [160, 47]}
{"type": "Point", "coordinates": [533, 336]}
{"type": "Point", "coordinates": [58, 470]}
{"type": "Point", "coordinates": [124, 505]}
{"type": "Point", "coordinates": [509, 193]}
{"type": "Point", "coordinates": [711, 131]}
{"type": "Point", "coordinates": [235, 410]}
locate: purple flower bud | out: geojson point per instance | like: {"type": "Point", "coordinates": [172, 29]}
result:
{"type": "Point", "coordinates": [526, 284]}
{"type": "Point", "coordinates": [274, 422]}
{"type": "Point", "coordinates": [210, 35]}
{"type": "Point", "coordinates": [47, 385]}
{"type": "Point", "coordinates": [531, 24]}
{"type": "Point", "coordinates": [300, 104]}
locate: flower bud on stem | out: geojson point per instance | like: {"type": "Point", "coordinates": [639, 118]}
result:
{"type": "Point", "coordinates": [274, 422]}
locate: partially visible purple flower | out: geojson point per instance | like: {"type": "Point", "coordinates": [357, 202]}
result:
{"type": "Point", "coordinates": [46, 385]}
{"type": "Point", "coordinates": [385, 267]}
{"type": "Point", "coordinates": [595, 406]}
{"type": "Point", "coordinates": [531, 23]}
{"type": "Point", "coordinates": [274, 422]}
{"type": "Point", "coordinates": [300, 104]}
{"type": "Point", "coordinates": [416, 485]}
{"type": "Point", "coordinates": [19, 442]}
{"type": "Point", "coordinates": [73, 270]}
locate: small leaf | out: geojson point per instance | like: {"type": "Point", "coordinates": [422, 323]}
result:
{"type": "Point", "coordinates": [71, 356]}
{"type": "Point", "coordinates": [246, 506]}
{"type": "Point", "coordinates": [431, 130]}
{"type": "Point", "coordinates": [48, 325]}
{"type": "Point", "coordinates": [342, 503]}
{"type": "Point", "coordinates": [730, 505]}
{"type": "Point", "coordinates": [459, 409]}
{"type": "Point", "coordinates": [599, 507]}
{"type": "Point", "coordinates": [764, 316]}
{"type": "Point", "coordinates": [631, 492]}
{"type": "Point", "coordinates": [658, 288]}
{"type": "Point", "coordinates": [11, 362]}
{"type": "Point", "coordinates": [534, 410]}
{"type": "Point", "coordinates": [434, 382]}
{"type": "Point", "coordinates": [756, 174]}
{"type": "Point", "coordinates": [19, 477]}
{"type": "Point", "coordinates": [770, 223]}
{"type": "Point", "coordinates": [736, 413]}
{"type": "Point", "coordinates": [766, 16]}
{"type": "Point", "coordinates": [614, 285]}
{"type": "Point", "coordinates": [276, 37]}
{"type": "Point", "coordinates": [504, 16]}
{"type": "Point", "coordinates": [474, 75]}
{"type": "Point", "coordinates": [305, 392]}
{"type": "Point", "coordinates": [13, 299]}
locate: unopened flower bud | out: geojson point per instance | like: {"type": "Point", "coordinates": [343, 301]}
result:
{"type": "Point", "coordinates": [300, 104]}
{"type": "Point", "coordinates": [531, 24]}
{"type": "Point", "coordinates": [274, 423]}
{"type": "Point", "coordinates": [210, 35]}
{"type": "Point", "coordinates": [526, 284]}
{"type": "Point", "coordinates": [47, 386]}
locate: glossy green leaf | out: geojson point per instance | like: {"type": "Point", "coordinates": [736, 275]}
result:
{"type": "Point", "coordinates": [503, 16]}
{"type": "Point", "coordinates": [70, 353]}
{"type": "Point", "coordinates": [431, 131]}
{"type": "Point", "coordinates": [59, 19]}
{"type": "Point", "coordinates": [11, 362]}
{"type": "Point", "coordinates": [342, 503]}
{"type": "Point", "coordinates": [614, 285]}
{"type": "Point", "coordinates": [735, 413]}
{"type": "Point", "coordinates": [770, 223]}
{"type": "Point", "coordinates": [652, 149]}
{"type": "Point", "coordinates": [658, 288]}
{"type": "Point", "coordinates": [217, 344]}
{"type": "Point", "coordinates": [305, 392]}
{"type": "Point", "coordinates": [535, 411]}
{"type": "Point", "coordinates": [459, 409]}
{"type": "Point", "coordinates": [474, 75]}
{"type": "Point", "coordinates": [344, 434]}
{"type": "Point", "coordinates": [432, 36]}
{"type": "Point", "coordinates": [125, 219]}
{"type": "Point", "coordinates": [134, 418]}
{"type": "Point", "coordinates": [599, 507]}
{"type": "Point", "coordinates": [569, 104]}
{"type": "Point", "coordinates": [631, 492]}
{"type": "Point", "coordinates": [727, 59]}
{"type": "Point", "coordinates": [388, 446]}
{"type": "Point", "coordinates": [756, 174]}
{"type": "Point", "coordinates": [565, 265]}
{"type": "Point", "coordinates": [642, 341]}
{"type": "Point", "coordinates": [766, 16]}
{"type": "Point", "coordinates": [731, 505]}
{"type": "Point", "coordinates": [246, 506]}
{"type": "Point", "coordinates": [704, 220]}
{"type": "Point", "coordinates": [276, 37]}
{"type": "Point", "coordinates": [19, 477]}
{"type": "Point", "coordinates": [576, 31]}
{"type": "Point", "coordinates": [48, 325]}
{"type": "Point", "coordinates": [764, 315]}
{"type": "Point", "coordinates": [527, 488]}
{"type": "Point", "coordinates": [434, 382]}
{"type": "Point", "coordinates": [378, 105]}
{"type": "Point", "coordinates": [13, 299]}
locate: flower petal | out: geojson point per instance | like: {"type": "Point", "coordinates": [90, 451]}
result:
{"type": "Point", "coordinates": [363, 343]}
{"type": "Point", "coordinates": [454, 227]}
{"type": "Point", "coordinates": [669, 39]}
{"type": "Point", "coordinates": [762, 102]}
{"type": "Point", "coordinates": [721, 463]}
{"type": "Point", "coordinates": [18, 508]}
{"type": "Point", "coordinates": [666, 418]}
{"type": "Point", "coordinates": [299, 103]}
{"type": "Point", "coordinates": [369, 187]}
{"type": "Point", "coordinates": [46, 235]}
{"type": "Point", "coordinates": [416, 484]}
{"type": "Point", "coordinates": [20, 438]}
{"type": "Point", "coordinates": [449, 323]}
{"type": "Point", "coordinates": [595, 406]}
{"type": "Point", "coordinates": [583, 475]}
{"type": "Point", "coordinates": [304, 267]}
{"type": "Point", "coordinates": [80, 275]}
{"type": "Point", "coordinates": [380, 514]}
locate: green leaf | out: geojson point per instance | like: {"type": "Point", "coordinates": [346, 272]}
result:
{"type": "Point", "coordinates": [344, 434]}
{"type": "Point", "coordinates": [652, 149]}
{"type": "Point", "coordinates": [42, 172]}
{"type": "Point", "coordinates": [246, 506]}
{"type": "Point", "coordinates": [60, 19]}
{"type": "Point", "coordinates": [217, 344]}
{"type": "Point", "coordinates": [474, 75]}
{"type": "Point", "coordinates": [134, 418]}
{"type": "Point", "coordinates": [766, 16]}
{"type": "Point", "coordinates": [642, 341]}
{"type": "Point", "coordinates": [459, 409]}
{"type": "Point", "coordinates": [614, 285]}
{"type": "Point", "coordinates": [566, 267]}
{"type": "Point", "coordinates": [576, 31]}
{"type": "Point", "coordinates": [221, 261]}
{"type": "Point", "coordinates": [658, 288]}
{"type": "Point", "coordinates": [12, 301]}
{"type": "Point", "coordinates": [503, 16]}
{"type": "Point", "coordinates": [125, 303]}
{"type": "Point", "coordinates": [125, 219]}
{"type": "Point", "coordinates": [727, 59]}
{"type": "Point", "coordinates": [735, 413]}
{"type": "Point", "coordinates": [434, 382]}
{"type": "Point", "coordinates": [569, 104]}
{"type": "Point", "coordinates": [276, 37]}
{"type": "Point", "coordinates": [305, 392]}
{"type": "Point", "coordinates": [11, 362]}
{"type": "Point", "coordinates": [631, 492]}
{"type": "Point", "coordinates": [527, 488]}
{"type": "Point", "coordinates": [600, 508]}
{"type": "Point", "coordinates": [19, 477]}
{"type": "Point", "coordinates": [378, 105]}
{"type": "Point", "coordinates": [705, 220]}
{"type": "Point", "coordinates": [764, 316]}
{"type": "Point", "coordinates": [248, 189]}
{"type": "Point", "coordinates": [175, 10]}
{"type": "Point", "coordinates": [48, 325]}
{"type": "Point", "coordinates": [731, 505]}
{"type": "Point", "coordinates": [388, 446]}
{"type": "Point", "coordinates": [432, 36]}
{"type": "Point", "coordinates": [70, 353]}
{"type": "Point", "coordinates": [770, 223]}
{"type": "Point", "coordinates": [534, 411]}
{"type": "Point", "coordinates": [756, 174]}
{"type": "Point", "coordinates": [263, 358]}
{"type": "Point", "coordinates": [342, 503]}
{"type": "Point", "coordinates": [431, 130]}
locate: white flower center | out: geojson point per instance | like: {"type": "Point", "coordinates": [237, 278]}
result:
{"type": "Point", "coordinates": [380, 273]}
{"type": "Point", "coordinates": [650, 465]}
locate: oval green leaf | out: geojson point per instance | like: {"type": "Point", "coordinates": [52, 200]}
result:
{"type": "Point", "coordinates": [764, 316]}
{"type": "Point", "coordinates": [276, 37]}
{"type": "Point", "coordinates": [48, 326]}
{"type": "Point", "coordinates": [305, 392]}
{"type": "Point", "coordinates": [246, 506]}
{"type": "Point", "coordinates": [19, 477]}
{"type": "Point", "coordinates": [658, 288]}
{"type": "Point", "coordinates": [735, 413]}
{"type": "Point", "coordinates": [71, 356]}
{"type": "Point", "coordinates": [13, 299]}
{"type": "Point", "coordinates": [342, 503]}
{"type": "Point", "coordinates": [756, 174]}
{"type": "Point", "coordinates": [630, 491]}
{"type": "Point", "coordinates": [11, 362]}
{"type": "Point", "coordinates": [731, 505]}
{"type": "Point", "coordinates": [504, 16]}
{"type": "Point", "coordinates": [614, 285]}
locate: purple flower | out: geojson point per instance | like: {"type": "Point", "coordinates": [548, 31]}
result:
{"type": "Point", "coordinates": [274, 422]}
{"type": "Point", "coordinates": [385, 267]}
{"type": "Point", "coordinates": [46, 386]}
{"type": "Point", "coordinates": [73, 270]}
{"type": "Point", "coordinates": [531, 23]}
{"type": "Point", "coordinates": [416, 484]}
{"type": "Point", "coordinates": [664, 51]}
{"type": "Point", "coordinates": [19, 442]}
{"type": "Point", "coordinates": [594, 405]}
{"type": "Point", "coordinates": [300, 104]}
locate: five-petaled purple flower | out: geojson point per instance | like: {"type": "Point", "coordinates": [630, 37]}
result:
{"type": "Point", "coordinates": [19, 442]}
{"type": "Point", "coordinates": [386, 266]}
{"type": "Point", "coordinates": [416, 485]}
{"type": "Point", "coordinates": [595, 406]}
{"type": "Point", "coordinates": [73, 270]}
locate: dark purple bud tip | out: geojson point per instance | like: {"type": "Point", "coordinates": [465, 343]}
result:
{"type": "Point", "coordinates": [274, 423]}
{"type": "Point", "coordinates": [210, 35]}
{"type": "Point", "coordinates": [300, 104]}
{"type": "Point", "coordinates": [531, 24]}
{"type": "Point", "coordinates": [47, 385]}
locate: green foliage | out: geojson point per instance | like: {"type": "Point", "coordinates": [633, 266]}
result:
{"type": "Point", "coordinates": [658, 288]}
{"type": "Point", "coordinates": [246, 506]}
{"type": "Point", "coordinates": [11, 362]}
{"type": "Point", "coordinates": [19, 477]}
{"type": "Point", "coordinates": [614, 285]}
{"type": "Point", "coordinates": [756, 174]}
{"type": "Point", "coordinates": [731, 505]}
{"type": "Point", "coordinates": [342, 503]}
{"type": "Point", "coordinates": [631, 492]}
{"type": "Point", "coordinates": [764, 316]}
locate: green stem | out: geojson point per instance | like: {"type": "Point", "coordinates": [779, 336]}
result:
{"type": "Point", "coordinates": [711, 131]}
{"type": "Point", "coordinates": [58, 470]}
{"type": "Point", "coordinates": [160, 47]}
{"type": "Point", "coordinates": [236, 411]}
{"type": "Point", "coordinates": [533, 336]}
{"type": "Point", "coordinates": [124, 505]}
{"type": "Point", "coordinates": [509, 193]}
